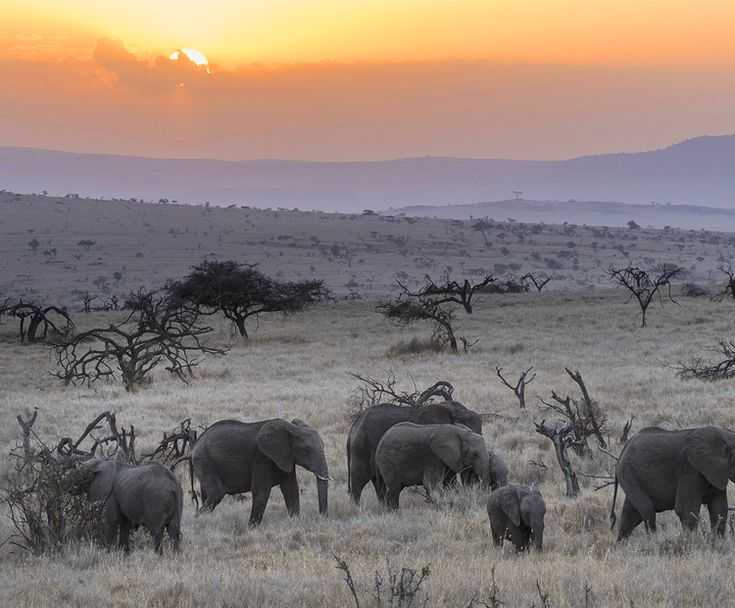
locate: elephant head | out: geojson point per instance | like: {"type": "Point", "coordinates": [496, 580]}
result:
{"type": "Point", "coordinates": [711, 451]}
{"type": "Point", "coordinates": [95, 478]}
{"type": "Point", "coordinates": [296, 443]}
{"type": "Point", "coordinates": [526, 508]}
{"type": "Point", "coordinates": [459, 414]}
{"type": "Point", "coordinates": [498, 471]}
{"type": "Point", "coordinates": [459, 448]}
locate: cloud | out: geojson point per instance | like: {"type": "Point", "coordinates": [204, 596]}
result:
{"type": "Point", "coordinates": [162, 74]}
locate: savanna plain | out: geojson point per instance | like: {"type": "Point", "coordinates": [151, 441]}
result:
{"type": "Point", "coordinates": [299, 366]}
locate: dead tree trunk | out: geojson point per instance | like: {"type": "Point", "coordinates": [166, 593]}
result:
{"type": "Point", "coordinates": [519, 390]}
{"type": "Point", "coordinates": [562, 436]}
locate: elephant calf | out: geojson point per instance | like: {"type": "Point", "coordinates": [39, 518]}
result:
{"type": "Point", "coordinates": [517, 513]}
{"type": "Point", "coordinates": [147, 495]}
{"type": "Point", "coordinates": [414, 454]}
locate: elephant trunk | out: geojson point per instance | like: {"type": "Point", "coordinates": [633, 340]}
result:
{"type": "Point", "coordinates": [482, 470]}
{"type": "Point", "coordinates": [322, 486]}
{"type": "Point", "coordinates": [538, 539]}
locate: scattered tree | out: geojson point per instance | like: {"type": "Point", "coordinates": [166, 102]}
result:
{"type": "Point", "coordinates": [34, 319]}
{"type": "Point", "coordinates": [34, 244]}
{"type": "Point", "coordinates": [406, 312]}
{"type": "Point", "coordinates": [241, 291]}
{"type": "Point", "coordinates": [700, 369]}
{"type": "Point", "coordinates": [729, 287]}
{"type": "Point", "coordinates": [538, 282]}
{"type": "Point", "coordinates": [158, 332]}
{"type": "Point", "coordinates": [519, 390]}
{"type": "Point", "coordinates": [644, 285]}
{"type": "Point", "coordinates": [450, 291]}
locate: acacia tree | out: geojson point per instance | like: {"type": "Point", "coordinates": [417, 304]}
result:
{"type": "Point", "coordinates": [241, 291]}
{"type": "Point", "coordinates": [729, 287]}
{"type": "Point", "coordinates": [406, 312]}
{"type": "Point", "coordinates": [644, 285]}
{"type": "Point", "coordinates": [156, 332]}
{"type": "Point", "coordinates": [450, 291]}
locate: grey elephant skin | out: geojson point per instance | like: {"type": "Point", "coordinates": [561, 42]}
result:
{"type": "Point", "coordinates": [232, 457]}
{"type": "Point", "coordinates": [660, 470]}
{"type": "Point", "coordinates": [147, 495]}
{"type": "Point", "coordinates": [419, 454]}
{"type": "Point", "coordinates": [517, 514]}
{"type": "Point", "coordinates": [370, 426]}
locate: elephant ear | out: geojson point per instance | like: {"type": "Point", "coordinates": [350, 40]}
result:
{"type": "Point", "coordinates": [447, 445]}
{"type": "Point", "coordinates": [274, 440]}
{"type": "Point", "coordinates": [708, 453]}
{"type": "Point", "coordinates": [510, 501]}
{"type": "Point", "coordinates": [102, 478]}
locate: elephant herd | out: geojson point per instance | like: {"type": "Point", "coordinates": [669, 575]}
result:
{"type": "Point", "coordinates": [395, 447]}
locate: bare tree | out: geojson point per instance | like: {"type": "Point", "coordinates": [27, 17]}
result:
{"type": "Point", "coordinates": [644, 285]}
{"type": "Point", "coordinates": [375, 392]}
{"type": "Point", "coordinates": [699, 369]}
{"type": "Point", "coordinates": [519, 390]}
{"type": "Point", "coordinates": [729, 287]}
{"type": "Point", "coordinates": [87, 300]}
{"type": "Point", "coordinates": [482, 226]}
{"type": "Point", "coordinates": [583, 415]}
{"type": "Point", "coordinates": [562, 436]}
{"type": "Point", "coordinates": [449, 291]}
{"type": "Point", "coordinates": [34, 319]}
{"type": "Point", "coordinates": [538, 282]}
{"type": "Point", "coordinates": [157, 333]}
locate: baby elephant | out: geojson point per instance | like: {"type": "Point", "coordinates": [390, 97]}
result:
{"type": "Point", "coordinates": [517, 513]}
{"type": "Point", "coordinates": [148, 495]}
{"type": "Point", "coordinates": [414, 454]}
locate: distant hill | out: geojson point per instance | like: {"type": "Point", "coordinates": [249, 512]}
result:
{"type": "Point", "coordinates": [698, 171]}
{"type": "Point", "coordinates": [592, 213]}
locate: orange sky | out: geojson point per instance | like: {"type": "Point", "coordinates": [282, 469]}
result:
{"type": "Point", "coordinates": [365, 78]}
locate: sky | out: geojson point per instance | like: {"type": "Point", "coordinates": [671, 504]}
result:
{"type": "Point", "coordinates": [365, 79]}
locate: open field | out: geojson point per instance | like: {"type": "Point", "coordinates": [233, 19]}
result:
{"type": "Point", "coordinates": [298, 366]}
{"type": "Point", "coordinates": [131, 244]}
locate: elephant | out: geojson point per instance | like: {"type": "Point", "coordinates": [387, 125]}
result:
{"type": "Point", "coordinates": [370, 425]}
{"type": "Point", "coordinates": [419, 454]}
{"type": "Point", "coordinates": [147, 494]}
{"type": "Point", "coordinates": [517, 513]}
{"type": "Point", "coordinates": [232, 457]}
{"type": "Point", "coordinates": [660, 470]}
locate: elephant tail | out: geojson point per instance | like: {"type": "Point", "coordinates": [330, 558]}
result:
{"type": "Point", "coordinates": [613, 517]}
{"type": "Point", "coordinates": [349, 471]}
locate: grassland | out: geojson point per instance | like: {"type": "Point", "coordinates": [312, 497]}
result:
{"type": "Point", "coordinates": [298, 367]}
{"type": "Point", "coordinates": [132, 244]}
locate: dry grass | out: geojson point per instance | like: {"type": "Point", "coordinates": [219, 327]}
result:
{"type": "Point", "coordinates": [298, 366]}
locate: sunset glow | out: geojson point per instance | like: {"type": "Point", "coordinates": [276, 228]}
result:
{"type": "Point", "coordinates": [383, 78]}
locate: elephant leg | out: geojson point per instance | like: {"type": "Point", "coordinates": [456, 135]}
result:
{"type": "Point", "coordinates": [212, 493]}
{"type": "Point", "coordinates": [157, 534]}
{"type": "Point", "coordinates": [497, 538]}
{"type": "Point", "coordinates": [261, 494]}
{"type": "Point", "coordinates": [432, 479]}
{"type": "Point", "coordinates": [392, 497]}
{"type": "Point", "coordinates": [174, 533]}
{"type": "Point", "coordinates": [717, 508]}
{"type": "Point", "coordinates": [380, 488]}
{"type": "Point", "coordinates": [290, 490]}
{"type": "Point", "coordinates": [688, 502]}
{"type": "Point", "coordinates": [629, 519]}
{"type": "Point", "coordinates": [639, 500]}
{"type": "Point", "coordinates": [520, 537]}
{"type": "Point", "coordinates": [125, 526]}
{"type": "Point", "coordinates": [359, 477]}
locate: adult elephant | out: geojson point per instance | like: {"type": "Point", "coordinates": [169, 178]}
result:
{"type": "Point", "coordinates": [419, 454]}
{"type": "Point", "coordinates": [232, 457]}
{"type": "Point", "coordinates": [660, 470]}
{"type": "Point", "coordinates": [370, 426]}
{"type": "Point", "coordinates": [147, 495]}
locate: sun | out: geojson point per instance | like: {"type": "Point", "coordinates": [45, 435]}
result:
{"type": "Point", "coordinates": [196, 57]}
